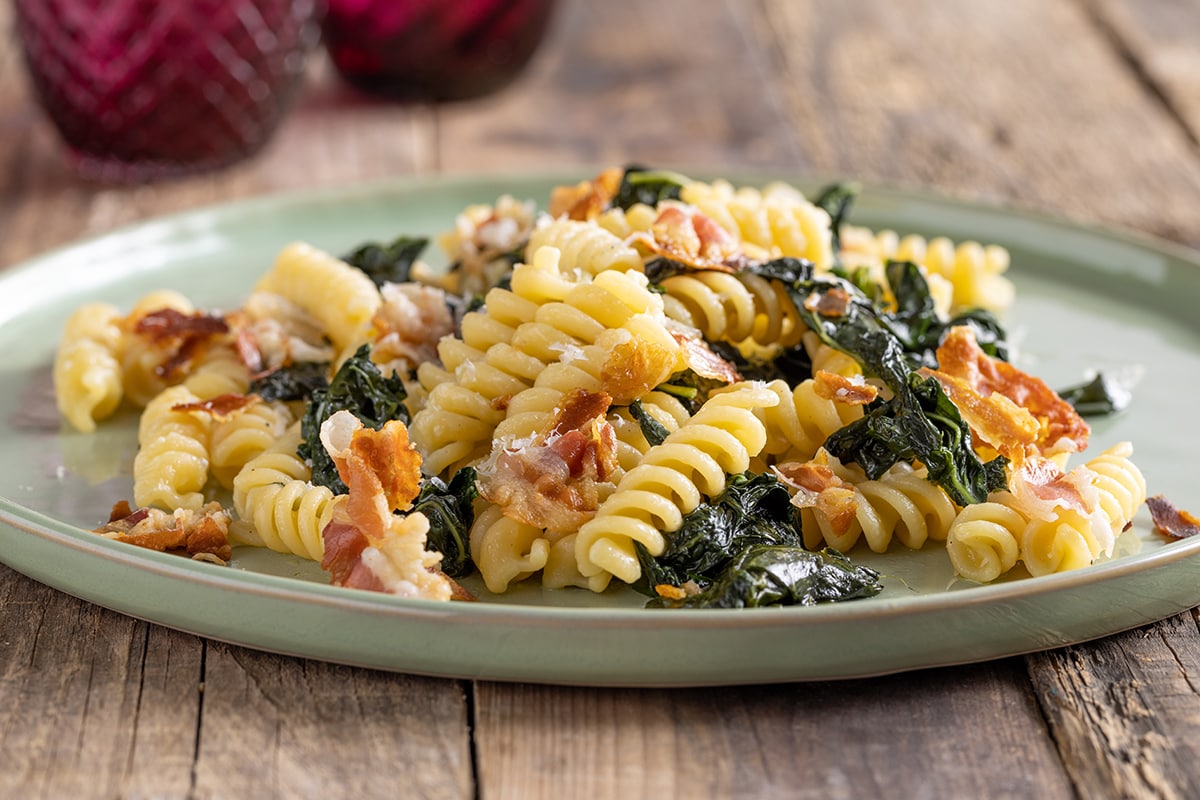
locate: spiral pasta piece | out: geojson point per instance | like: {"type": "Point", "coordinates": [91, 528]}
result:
{"type": "Point", "coordinates": [220, 371]}
{"type": "Point", "coordinates": [87, 375]}
{"type": "Point", "coordinates": [692, 463]}
{"type": "Point", "coordinates": [798, 425]}
{"type": "Point", "coordinates": [506, 551]}
{"type": "Point", "coordinates": [171, 465]}
{"type": "Point", "coordinates": [984, 540]}
{"type": "Point", "coordinates": [1120, 485]}
{"type": "Point", "coordinates": [285, 511]}
{"type": "Point", "coordinates": [585, 247]}
{"type": "Point", "coordinates": [901, 505]}
{"type": "Point", "coordinates": [141, 362]}
{"type": "Point", "coordinates": [1073, 539]}
{"type": "Point", "coordinates": [242, 436]}
{"type": "Point", "coordinates": [735, 307]}
{"type": "Point", "coordinates": [343, 299]}
{"type": "Point", "coordinates": [778, 218]}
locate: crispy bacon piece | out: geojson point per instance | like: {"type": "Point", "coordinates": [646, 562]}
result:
{"type": "Point", "coordinates": [344, 546]}
{"type": "Point", "coordinates": [204, 531]}
{"type": "Point", "coordinates": [818, 486]}
{"type": "Point", "coordinates": [995, 419]}
{"type": "Point", "coordinates": [1039, 487]}
{"type": "Point", "coordinates": [221, 407]}
{"type": "Point", "coordinates": [181, 336]}
{"type": "Point", "coordinates": [245, 342]}
{"type": "Point", "coordinates": [1172, 521]}
{"type": "Point", "coordinates": [701, 358]}
{"type": "Point", "coordinates": [367, 546]}
{"type": "Point", "coordinates": [685, 235]}
{"type": "Point", "coordinates": [852, 391]}
{"type": "Point", "coordinates": [587, 199]}
{"type": "Point", "coordinates": [1060, 428]}
{"type": "Point", "coordinates": [553, 482]}
{"type": "Point", "coordinates": [634, 367]}
{"type": "Point", "coordinates": [833, 302]}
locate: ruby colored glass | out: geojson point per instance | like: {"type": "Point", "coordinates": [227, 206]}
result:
{"type": "Point", "coordinates": [433, 50]}
{"type": "Point", "coordinates": [147, 89]}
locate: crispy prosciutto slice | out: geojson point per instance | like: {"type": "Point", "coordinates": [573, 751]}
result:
{"type": "Point", "coordinates": [684, 235]}
{"type": "Point", "coordinates": [201, 533]}
{"type": "Point", "coordinates": [555, 481]}
{"type": "Point", "coordinates": [181, 337]}
{"type": "Point", "coordinates": [367, 546]}
{"type": "Point", "coordinates": [1171, 521]}
{"type": "Point", "coordinates": [976, 382]}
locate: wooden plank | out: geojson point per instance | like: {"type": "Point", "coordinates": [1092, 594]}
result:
{"type": "Point", "coordinates": [665, 83]}
{"type": "Point", "coordinates": [1014, 101]}
{"type": "Point", "coordinates": [92, 703]}
{"type": "Point", "coordinates": [1158, 37]}
{"type": "Point", "coordinates": [286, 727]}
{"type": "Point", "coordinates": [1125, 710]}
{"type": "Point", "coordinates": [971, 731]}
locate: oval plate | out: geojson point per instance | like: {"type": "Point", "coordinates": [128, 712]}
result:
{"type": "Point", "coordinates": [1087, 300]}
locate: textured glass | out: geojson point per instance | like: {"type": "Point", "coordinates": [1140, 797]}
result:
{"type": "Point", "coordinates": [144, 89]}
{"type": "Point", "coordinates": [432, 49]}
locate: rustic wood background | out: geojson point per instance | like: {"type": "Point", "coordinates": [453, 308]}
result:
{"type": "Point", "coordinates": [1088, 109]}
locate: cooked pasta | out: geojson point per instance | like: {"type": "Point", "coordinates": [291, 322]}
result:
{"type": "Point", "coordinates": [170, 469]}
{"type": "Point", "coordinates": [505, 550]}
{"type": "Point", "coordinates": [578, 398]}
{"type": "Point", "coordinates": [283, 509]}
{"type": "Point", "coordinates": [984, 541]}
{"type": "Point", "coordinates": [341, 298]}
{"type": "Point", "coordinates": [778, 219]}
{"type": "Point", "coordinates": [585, 247]}
{"type": "Point", "coordinates": [244, 434]}
{"type": "Point", "coordinates": [900, 505]}
{"type": "Point", "coordinates": [672, 479]}
{"type": "Point", "coordinates": [87, 374]}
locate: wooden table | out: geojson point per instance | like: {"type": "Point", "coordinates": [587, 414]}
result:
{"type": "Point", "coordinates": [1089, 109]}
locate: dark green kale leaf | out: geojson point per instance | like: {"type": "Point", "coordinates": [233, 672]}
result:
{"type": "Point", "coordinates": [916, 324]}
{"type": "Point", "coordinates": [294, 382]}
{"type": "Point", "coordinates": [1100, 396]}
{"type": "Point", "coordinates": [753, 509]}
{"type": "Point", "coordinates": [450, 508]}
{"type": "Point", "coordinates": [654, 431]}
{"type": "Point", "coordinates": [837, 200]}
{"type": "Point", "coordinates": [793, 364]}
{"type": "Point", "coordinates": [919, 422]}
{"type": "Point", "coordinates": [691, 388]}
{"type": "Point", "coordinates": [360, 388]}
{"type": "Point", "coordinates": [766, 574]}
{"type": "Point", "coordinates": [649, 186]}
{"type": "Point", "coordinates": [390, 263]}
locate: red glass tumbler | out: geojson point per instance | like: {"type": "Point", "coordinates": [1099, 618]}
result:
{"type": "Point", "coordinates": [148, 89]}
{"type": "Point", "coordinates": [433, 50]}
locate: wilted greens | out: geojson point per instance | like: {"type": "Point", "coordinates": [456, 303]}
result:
{"type": "Point", "coordinates": [360, 388]}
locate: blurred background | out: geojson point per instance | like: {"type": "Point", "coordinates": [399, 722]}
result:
{"type": "Point", "coordinates": [1047, 105]}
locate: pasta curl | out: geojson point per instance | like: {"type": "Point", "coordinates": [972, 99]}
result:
{"type": "Point", "coordinates": [692, 463]}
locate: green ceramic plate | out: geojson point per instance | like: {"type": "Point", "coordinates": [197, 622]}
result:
{"type": "Point", "coordinates": [1087, 300]}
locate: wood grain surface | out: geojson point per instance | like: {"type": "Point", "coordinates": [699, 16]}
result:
{"type": "Point", "coordinates": [1086, 109]}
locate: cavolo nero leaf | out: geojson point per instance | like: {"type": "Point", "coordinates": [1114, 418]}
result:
{"type": "Point", "coordinates": [294, 382]}
{"type": "Point", "coordinates": [654, 431]}
{"type": "Point", "coordinates": [916, 324]}
{"type": "Point", "coordinates": [767, 575]}
{"type": "Point", "coordinates": [1100, 396]}
{"type": "Point", "coordinates": [919, 422]}
{"type": "Point", "coordinates": [836, 200]}
{"type": "Point", "coordinates": [649, 186]}
{"type": "Point", "coordinates": [450, 509]}
{"type": "Point", "coordinates": [360, 388]}
{"type": "Point", "coordinates": [390, 263]}
{"type": "Point", "coordinates": [744, 549]}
